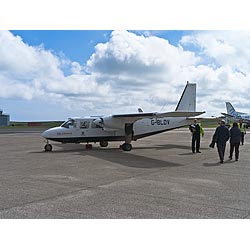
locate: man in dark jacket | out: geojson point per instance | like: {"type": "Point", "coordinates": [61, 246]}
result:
{"type": "Point", "coordinates": [235, 138]}
{"type": "Point", "coordinates": [221, 136]}
{"type": "Point", "coordinates": [196, 130]}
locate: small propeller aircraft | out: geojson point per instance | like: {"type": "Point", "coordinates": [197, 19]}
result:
{"type": "Point", "coordinates": [124, 127]}
{"type": "Point", "coordinates": [234, 115]}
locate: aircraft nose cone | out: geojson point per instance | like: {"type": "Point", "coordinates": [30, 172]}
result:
{"type": "Point", "coordinates": [45, 134]}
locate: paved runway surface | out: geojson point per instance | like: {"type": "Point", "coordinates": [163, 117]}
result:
{"type": "Point", "coordinates": [159, 178]}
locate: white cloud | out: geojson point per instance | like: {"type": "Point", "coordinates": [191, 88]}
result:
{"type": "Point", "coordinates": [229, 51]}
{"type": "Point", "coordinates": [25, 62]}
{"type": "Point", "coordinates": [226, 48]}
{"type": "Point", "coordinates": [28, 73]}
{"type": "Point", "coordinates": [129, 55]}
{"type": "Point", "coordinates": [131, 70]}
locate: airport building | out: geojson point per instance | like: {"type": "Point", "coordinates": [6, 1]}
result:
{"type": "Point", "coordinates": [4, 119]}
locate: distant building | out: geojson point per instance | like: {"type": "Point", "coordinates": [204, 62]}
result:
{"type": "Point", "coordinates": [4, 119]}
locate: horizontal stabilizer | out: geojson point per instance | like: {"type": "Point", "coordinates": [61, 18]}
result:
{"type": "Point", "coordinates": [227, 115]}
{"type": "Point", "coordinates": [241, 113]}
{"type": "Point", "coordinates": [208, 118]}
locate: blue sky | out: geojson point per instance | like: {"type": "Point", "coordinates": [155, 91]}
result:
{"type": "Point", "coordinates": [77, 45]}
{"type": "Point", "coordinates": [56, 74]}
{"type": "Point", "coordinates": [104, 57]}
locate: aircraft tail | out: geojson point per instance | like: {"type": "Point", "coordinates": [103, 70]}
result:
{"type": "Point", "coordinates": [187, 101]}
{"type": "Point", "coordinates": [230, 108]}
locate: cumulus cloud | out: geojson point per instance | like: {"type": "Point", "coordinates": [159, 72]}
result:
{"type": "Point", "coordinates": [227, 78]}
{"type": "Point", "coordinates": [148, 69]}
{"type": "Point", "coordinates": [28, 73]}
{"type": "Point", "coordinates": [128, 55]}
{"type": "Point", "coordinates": [23, 62]}
{"type": "Point", "coordinates": [131, 70]}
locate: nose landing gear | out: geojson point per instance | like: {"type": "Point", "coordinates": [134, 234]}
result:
{"type": "Point", "coordinates": [48, 147]}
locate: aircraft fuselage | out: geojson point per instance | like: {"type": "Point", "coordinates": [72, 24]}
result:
{"type": "Point", "coordinates": [85, 130]}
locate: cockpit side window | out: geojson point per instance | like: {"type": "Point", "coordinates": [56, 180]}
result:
{"type": "Point", "coordinates": [69, 124]}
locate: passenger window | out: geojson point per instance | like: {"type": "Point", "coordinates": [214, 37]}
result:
{"type": "Point", "coordinates": [84, 124]}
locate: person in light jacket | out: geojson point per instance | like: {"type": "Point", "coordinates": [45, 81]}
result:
{"type": "Point", "coordinates": [242, 127]}
{"type": "Point", "coordinates": [235, 138]}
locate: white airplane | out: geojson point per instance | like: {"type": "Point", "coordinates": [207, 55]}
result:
{"type": "Point", "coordinates": [232, 114]}
{"type": "Point", "coordinates": [124, 127]}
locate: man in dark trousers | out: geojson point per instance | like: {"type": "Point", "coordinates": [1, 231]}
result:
{"type": "Point", "coordinates": [221, 136]}
{"type": "Point", "coordinates": [196, 130]}
{"type": "Point", "coordinates": [235, 137]}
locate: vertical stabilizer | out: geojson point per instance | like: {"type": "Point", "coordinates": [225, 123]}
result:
{"type": "Point", "coordinates": [230, 108]}
{"type": "Point", "coordinates": [188, 99]}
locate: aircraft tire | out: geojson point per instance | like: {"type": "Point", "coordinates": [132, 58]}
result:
{"type": "Point", "coordinates": [48, 147]}
{"type": "Point", "coordinates": [103, 144]}
{"type": "Point", "coordinates": [126, 147]}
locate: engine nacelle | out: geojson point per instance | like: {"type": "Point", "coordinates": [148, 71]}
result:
{"type": "Point", "coordinates": [109, 123]}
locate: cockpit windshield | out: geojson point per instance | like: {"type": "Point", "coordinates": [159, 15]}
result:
{"type": "Point", "coordinates": [69, 123]}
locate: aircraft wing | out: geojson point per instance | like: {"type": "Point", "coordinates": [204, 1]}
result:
{"type": "Point", "coordinates": [159, 115]}
{"type": "Point", "coordinates": [118, 121]}
{"type": "Point", "coordinates": [130, 118]}
{"type": "Point", "coordinates": [180, 114]}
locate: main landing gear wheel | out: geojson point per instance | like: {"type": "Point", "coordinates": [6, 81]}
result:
{"type": "Point", "coordinates": [103, 144]}
{"type": "Point", "coordinates": [126, 147]}
{"type": "Point", "coordinates": [48, 147]}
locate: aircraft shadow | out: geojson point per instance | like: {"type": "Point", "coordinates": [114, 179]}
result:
{"type": "Point", "coordinates": [131, 160]}
{"type": "Point", "coordinates": [116, 155]}
{"type": "Point", "coordinates": [191, 153]}
{"type": "Point", "coordinates": [164, 147]}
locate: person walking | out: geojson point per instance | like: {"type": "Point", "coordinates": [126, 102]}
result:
{"type": "Point", "coordinates": [242, 127]}
{"type": "Point", "coordinates": [235, 138]}
{"type": "Point", "coordinates": [221, 136]}
{"type": "Point", "coordinates": [196, 130]}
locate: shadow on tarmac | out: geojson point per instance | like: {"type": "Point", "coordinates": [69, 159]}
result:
{"type": "Point", "coordinates": [164, 147]}
{"type": "Point", "coordinates": [116, 155]}
{"type": "Point", "coordinates": [217, 163]}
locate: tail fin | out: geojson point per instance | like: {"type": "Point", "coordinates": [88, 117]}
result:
{"type": "Point", "coordinates": [230, 108]}
{"type": "Point", "coordinates": [187, 101]}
